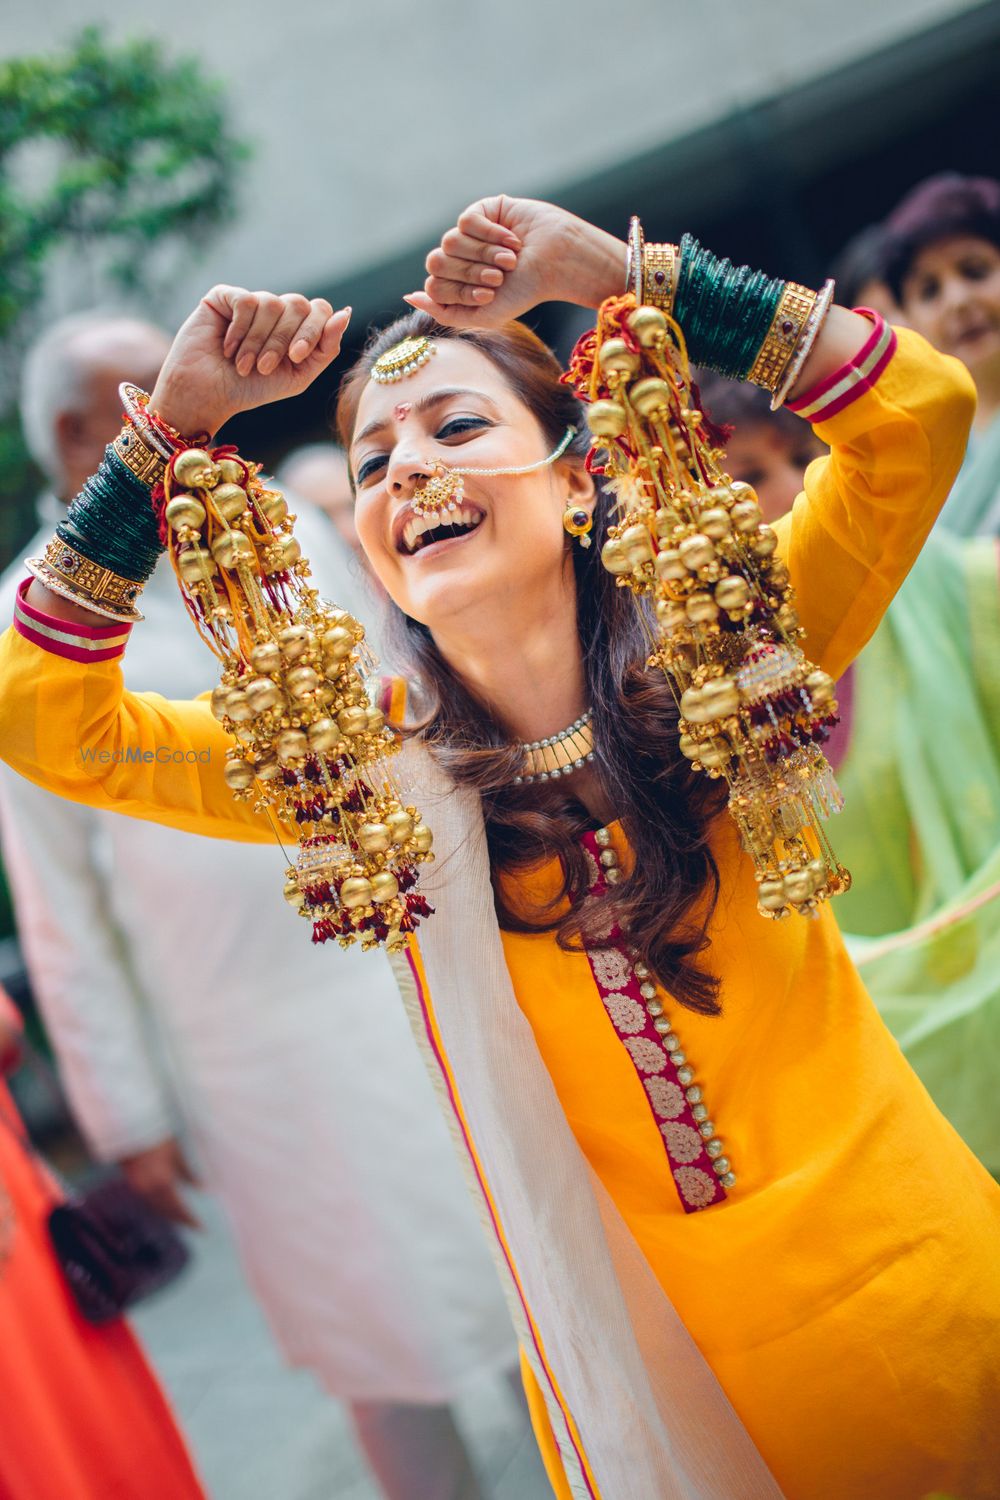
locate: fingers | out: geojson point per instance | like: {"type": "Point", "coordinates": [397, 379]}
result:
{"type": "Point", "coordinates": [298, 328]}
{"type": "Point", "coordinates": [473, 272]}
{"type": "Point", "coordinates": [311, 330]}
{"type": "Point", "coordinates": [296, 313]}
{"type": "Point", "coordinates": [264, 311]}
{"type": "Point", "coordinates": [454, 316]}
{"type": "Point", "coordinates": [446, 291]}
{"type": "Point", "coordinates": [467, 259]}
{"type": "Point", "coordinates": [237, 306]}
{"type": "Point", "coordinates": [168, 1202]}
{"type": "Point", "coordinates": [328, 345]}
{"type": "Point", "coordinates": [483, 221]}
{"type": "Point", "coordinates": [264, 328]}
{"type": "Point", "coordinates": [336, 327]}
{"type": "Point", "coordinates": [185, 1170]}
{"type": "Point", "coordinates": [469, 266]}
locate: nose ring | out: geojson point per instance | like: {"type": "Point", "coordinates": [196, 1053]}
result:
{"type": "Point", "coordinates": [444, 490]}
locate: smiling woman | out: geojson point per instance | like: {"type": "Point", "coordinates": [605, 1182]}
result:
{"type": "Point", "coordinates": [942, 261]}
{"type": "Point", "coordinates": [494, 407]}
{"type": "Point", "coordinates": [744, 1253]}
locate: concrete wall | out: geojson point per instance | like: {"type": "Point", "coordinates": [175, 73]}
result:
{"type": "Point", "coordinates": [373, 121]}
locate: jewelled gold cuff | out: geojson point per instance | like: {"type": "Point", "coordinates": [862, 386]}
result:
{"type": "Point", "coordinates": [659, 276]}
{"type": "Point", "coordinates": [74, 577]}
{"type": "Point", "coordinates": [144, 462]}
{"type": "Point", "coordinates": [783, 337]}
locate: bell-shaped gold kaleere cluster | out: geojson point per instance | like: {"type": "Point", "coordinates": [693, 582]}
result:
{"type": "Point", "coordinates": [695, 545]}
{"type": "Point", "coordinates": [310, 748]}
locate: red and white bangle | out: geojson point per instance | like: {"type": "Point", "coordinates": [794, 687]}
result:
{"type": "Point", "coordinates": [89, 643]}
{"type": "Point", "coordinates": [853, 379]}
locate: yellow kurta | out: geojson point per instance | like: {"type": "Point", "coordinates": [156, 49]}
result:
{"type": "Point", "coordinates": [847, 1292]}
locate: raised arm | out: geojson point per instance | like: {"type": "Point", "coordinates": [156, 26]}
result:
{"type": "Point", "coordinates": [238, 350]}
{"type": "Point", "coordinates": [897, 436]}
{"type": "Point", "coordinates": [65, 721]}
{"type": "Point", "coordinates": [895, 413]}
{"type": "Point", "coordinates": [506, 255]}
{"type": "Point", "coordinates": [68, 725]}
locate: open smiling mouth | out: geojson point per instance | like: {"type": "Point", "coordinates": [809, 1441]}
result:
{"type": "Point", "coordinates": [423, 531]}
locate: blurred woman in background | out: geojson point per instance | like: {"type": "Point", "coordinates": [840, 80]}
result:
{"type": "Point", "coordinates": [941, 261]}
{"type": "Point", "coordinates": [81, 1417]}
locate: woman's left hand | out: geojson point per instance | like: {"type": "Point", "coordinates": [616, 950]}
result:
{"type": "Point", "coordinates": [505, 255]}
{"type": "Point", "coordinates": [239, 350]}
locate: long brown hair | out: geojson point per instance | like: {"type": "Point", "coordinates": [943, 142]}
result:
{"type": "Point", "coordinates": [662, 908]}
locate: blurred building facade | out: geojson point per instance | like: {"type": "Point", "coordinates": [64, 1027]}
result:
{"type": "Point", "coordinates": [773, 130]}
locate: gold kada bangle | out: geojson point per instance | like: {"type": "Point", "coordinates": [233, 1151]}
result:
{"type": "Point", "coordinates": [783, 338]}
{"type": "Point", "coordinates": [810, 333]}
{"type": "Point", "coordinates": [141, 445]}
{"type": "Point", "coordinates": [659, 276]}
{"type": "Point", "coordinates": [145, 451]}
{"type": "Point", "coordinates": [74, 577]}
{"type": "Point", "coordinates": [143, 461]}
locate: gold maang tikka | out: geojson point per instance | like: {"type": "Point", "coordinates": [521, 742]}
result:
{"type": "Point", "coordinates": [404, 358]}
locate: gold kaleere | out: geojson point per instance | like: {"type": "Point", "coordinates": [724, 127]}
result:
{"type": "Point", "coordinates": [310, 748]}
{"type": "Point", "coordinates": [693, 543]}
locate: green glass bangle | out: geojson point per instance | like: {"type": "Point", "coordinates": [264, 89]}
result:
{"type": "Point", "coordinates": [111, 522]}
{"type": "Point", "coordinates": [724, 310]}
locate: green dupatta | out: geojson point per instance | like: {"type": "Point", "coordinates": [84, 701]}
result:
{"type": "Point", "coordinates": [973, 507]}
{"type": "Point", "coordinates": [921, 828]}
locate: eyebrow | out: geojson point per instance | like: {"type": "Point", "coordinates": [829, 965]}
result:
{"type": "Point", "coordinates": [426, 403]}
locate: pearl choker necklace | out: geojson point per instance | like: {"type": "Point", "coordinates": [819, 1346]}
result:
{"type": "Point", "coordinates": [546, 760]}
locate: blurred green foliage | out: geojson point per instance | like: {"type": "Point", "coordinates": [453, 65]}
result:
{"type": "Point", "coordinates": [118, 154]}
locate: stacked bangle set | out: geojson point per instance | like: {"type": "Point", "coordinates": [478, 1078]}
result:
{"type": "Point", "coordinates": [109, 543]}
{"type": "Point", "coordinates": [738, 322]}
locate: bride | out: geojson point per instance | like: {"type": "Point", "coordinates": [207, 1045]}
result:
{"type": "Point", "coordinates": [745, 1254]}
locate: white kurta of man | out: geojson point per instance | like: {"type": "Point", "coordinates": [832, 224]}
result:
{"type": "Point", "coordinates": [181, 991]}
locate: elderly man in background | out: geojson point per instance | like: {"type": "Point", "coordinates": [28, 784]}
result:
{"type": "Point", "coordinates": [318, 472]}
{"type": "Point", "coordinates": [288, 1067]}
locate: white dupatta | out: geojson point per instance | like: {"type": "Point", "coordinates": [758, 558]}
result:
{"type": "Point", "coordinates": [637, 1412]}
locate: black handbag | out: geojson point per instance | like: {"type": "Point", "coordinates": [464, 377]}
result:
{"type": "Point", "coordinates": [113, 1248]}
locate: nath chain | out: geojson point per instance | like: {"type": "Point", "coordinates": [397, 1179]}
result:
{"type": "Point", "coordinates": [444, 490]}
{"type": "Point", "coordinates": [541, 463]}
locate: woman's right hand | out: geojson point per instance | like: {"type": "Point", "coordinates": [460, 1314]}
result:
{"type": "Point", "coordinates": [505, 255]}
{"type": "Point", "coordinates": [241, 349]}
{"type": "Point", "coordinates": [157, 1175]}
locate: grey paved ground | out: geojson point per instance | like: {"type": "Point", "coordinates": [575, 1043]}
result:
{"type": "Point", "coordinates": [260, 1431]}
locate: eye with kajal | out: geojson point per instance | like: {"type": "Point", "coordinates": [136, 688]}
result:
{"type": "Point", "coordinates": [453, 428]}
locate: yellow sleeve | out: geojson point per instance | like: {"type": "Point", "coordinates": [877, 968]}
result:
{"type": "Point", "coordinates": [71, 727]}
{"type": "Point", "coordinates": [853, 535]}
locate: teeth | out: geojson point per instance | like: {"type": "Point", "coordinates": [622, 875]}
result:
{"type": "Point", "coordinates": [455, 516]}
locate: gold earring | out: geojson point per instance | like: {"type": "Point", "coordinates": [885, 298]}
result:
{"type": "Point", "coordinates": [578, 522]}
